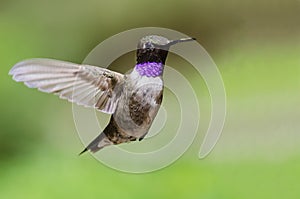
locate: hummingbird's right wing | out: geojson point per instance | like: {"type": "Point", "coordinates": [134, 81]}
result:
{"type": "Point", "coordinates": [86, 85]}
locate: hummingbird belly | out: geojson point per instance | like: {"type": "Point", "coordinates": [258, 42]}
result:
{"type": "Point", "coordinates": [137, 109]}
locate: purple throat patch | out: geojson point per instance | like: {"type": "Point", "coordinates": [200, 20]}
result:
{"type": "Point", "coordinates": [150, 69]}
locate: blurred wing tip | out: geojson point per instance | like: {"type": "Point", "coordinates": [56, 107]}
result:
{"type": "Point", "coordinates": [15, 76]}
{"type": "Point", "coordinates": [13, 70]}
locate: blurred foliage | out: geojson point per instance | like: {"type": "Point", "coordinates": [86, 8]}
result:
{"type": "Point", "coordinates": [256, 46]}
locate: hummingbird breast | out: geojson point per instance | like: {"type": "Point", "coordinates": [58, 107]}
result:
{"type": "Point", "coordinates": [139, 105]}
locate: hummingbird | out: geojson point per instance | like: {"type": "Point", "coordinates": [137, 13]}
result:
{"type": "Point", "coordinates": [132, 99]}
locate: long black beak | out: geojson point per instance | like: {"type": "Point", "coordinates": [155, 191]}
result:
{"type": "Point", "coordinates": [172, 42]}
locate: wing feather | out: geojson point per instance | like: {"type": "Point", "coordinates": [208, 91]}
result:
{"type": "Point", "coordinates": [86, 85]}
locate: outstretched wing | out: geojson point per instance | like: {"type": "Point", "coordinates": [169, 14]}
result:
{"type": "Point", "coordinates": [83, 84]}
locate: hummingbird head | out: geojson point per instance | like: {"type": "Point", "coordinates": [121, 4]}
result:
{"type": "Point", "coordinates": [154, 49]}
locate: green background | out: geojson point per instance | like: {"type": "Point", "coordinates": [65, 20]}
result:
{"type": "Point", "coordinates": [256, 46]}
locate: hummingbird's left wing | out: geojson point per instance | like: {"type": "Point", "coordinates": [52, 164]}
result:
{"type": "Point", "coordinates": [86, 85]}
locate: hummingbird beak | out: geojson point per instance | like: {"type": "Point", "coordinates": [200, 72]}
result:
{"type": "Point", "coordinates": [172, 42]}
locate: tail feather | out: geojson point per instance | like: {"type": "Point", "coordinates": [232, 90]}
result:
{"type": "Point", "coordinates": [84, 150]}
{"type": "Point", "coordinates": [98, 143]}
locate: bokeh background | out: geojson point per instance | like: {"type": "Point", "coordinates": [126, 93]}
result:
{"type": "Point", "coordinates": [256, 46]}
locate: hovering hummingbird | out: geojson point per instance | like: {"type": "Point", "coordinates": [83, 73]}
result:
{"type": "Point", "coordinates": [133, 99]}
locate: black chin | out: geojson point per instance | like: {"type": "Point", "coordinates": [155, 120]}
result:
{"type": "Point", "coordinates": [151, 55]}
